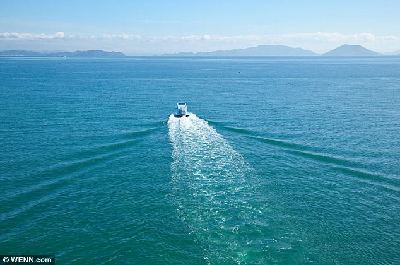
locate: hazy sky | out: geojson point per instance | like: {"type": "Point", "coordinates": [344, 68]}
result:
{"type": "Point", "coordinates": [163, 26]}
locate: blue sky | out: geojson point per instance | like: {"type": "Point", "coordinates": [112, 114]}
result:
{"type": "Point", "coordinates": [156, 26]}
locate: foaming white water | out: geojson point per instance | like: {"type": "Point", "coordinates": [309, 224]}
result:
{"type": "Point", "coordinates": [214, 192]}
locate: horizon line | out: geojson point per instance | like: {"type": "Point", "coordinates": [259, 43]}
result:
{"type": "Point", "coordinates": [197, 53]}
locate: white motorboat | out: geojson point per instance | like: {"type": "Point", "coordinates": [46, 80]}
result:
{"type": "Point", "coordinates": [181, 110]}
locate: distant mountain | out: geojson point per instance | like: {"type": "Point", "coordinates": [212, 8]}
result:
{"type": "Point", "coordinates": [261, 50]}
{"type": "Point", "coordinates": [351, 50]}
{"type": "Point", "coordinates": [87, 54]}
{"type": "Point", "coordinates": [19, 53]}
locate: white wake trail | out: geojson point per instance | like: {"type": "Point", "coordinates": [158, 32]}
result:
{"type": "Point", "coordinates": [213, 188]}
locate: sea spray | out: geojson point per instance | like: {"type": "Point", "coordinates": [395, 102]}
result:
{"type": "Point", "coordinates": [213, 188]}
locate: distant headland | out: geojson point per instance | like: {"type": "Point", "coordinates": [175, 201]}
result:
{"type": "Point", "coordinates": [345, 50]}
{"type": "Point", "coordinates": [260, 50]}
{"type": "Point", "coordinates": [283, 50]}
{"type": "Point", "coordinates": [351, 50]}
{"type": "Point", "coordinates": [86, 54]}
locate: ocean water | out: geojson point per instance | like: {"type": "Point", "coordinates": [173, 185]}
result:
{"type": "Point", "coordinates": [282, 161]}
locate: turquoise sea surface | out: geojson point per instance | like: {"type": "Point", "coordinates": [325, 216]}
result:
{"type": "Point", "coordinates": [282, 161]}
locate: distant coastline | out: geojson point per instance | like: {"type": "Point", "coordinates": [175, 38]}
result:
{"type": "Point", "coordinates": [345, 50]}
{"type": "Point", "coordinates": [87, 54]}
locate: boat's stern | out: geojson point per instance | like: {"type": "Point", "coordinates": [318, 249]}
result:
{"type": "Point", "coordinates": [181, 110]}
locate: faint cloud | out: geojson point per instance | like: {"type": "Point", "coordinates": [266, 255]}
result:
{"type": "Point", "coordinates": [144, 44]}
{"type": "Point", "coordinates": [123, 36]}
{"type": "Point", "coordinates": [30, 36]}
{"type": "Point", "coordinates": [337, 37]}
{"type": "Point", "coordinates": [313, 36]}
